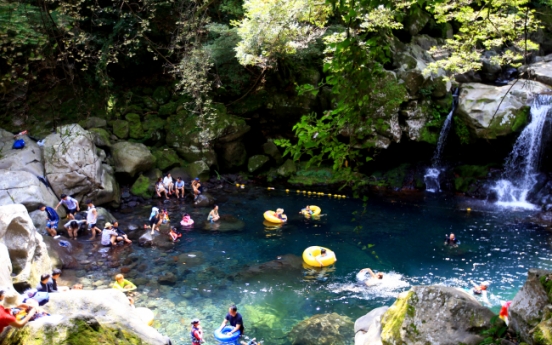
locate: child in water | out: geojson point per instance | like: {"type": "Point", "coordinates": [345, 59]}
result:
{"type": "Point", "coordinates": [280, 214]}
{"type": "Point", "coordinates": [175, 235]}
{"type": "Point", "coordinates": [196, 332]}
{"type": "Point", "coordinates": [165, 216]}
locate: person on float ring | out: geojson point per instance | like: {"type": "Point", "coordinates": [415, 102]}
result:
{"type": "Point", "coordinates": [280, 214]}
{"type": "Point", "coordinates": [322, 255]}
{"type": "Point", "coordinates": [235, 320]}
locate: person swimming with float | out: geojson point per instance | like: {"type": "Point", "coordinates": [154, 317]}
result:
{"type": "Point", "coordinates": [374, 277]}
{"type": "Point", "coordinates": [186, 220]}
{"type": "Point", "coordinates": [280, 214]}
{"type": "Point", "coordinates": [307, 212]}
{"type": "Point", "coordinates": [451, 240]}
{"type": "Point", "coordinates": [323, 254]}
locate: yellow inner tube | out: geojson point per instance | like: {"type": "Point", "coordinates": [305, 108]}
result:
{"type": "Point", "coordinates": [311, 253]}
{"type": "Point", "coordinates": [269, 216]}
{"type": "Point", "coordinates": [315, 210]}
{"type": "Point", "coordinates": [145, 315]}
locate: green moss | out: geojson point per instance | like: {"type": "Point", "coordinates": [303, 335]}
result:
{"type": "Point", "coordinates": [121, 129]}
{"type": "Point", "coordinates": [467, 175]}
{"type": "Point", "coordinates": [150, 103]}
{"type": "Point", "coordinates": [102, 137]}
{"type": "Point", "coordinates": [461, 130]}
{"type": "Point", "coordinates": [543, 334]}
{"type": "Point", "coordinates": [142, 187]}
{"type": "Point", "coordinates": [256, 162]}
{"type": "Point", "coordinates": [429, 135]}
{"type": "Point", "coordinates": [521, 118]}
{"type": "Point", "coordinates": [395, 177]}
{"type": "Point", "coordinates": [135, 126]}
{"type": "Point", "coordinates": [506, 125]}
{"type": "Point", "coordinates": [161, 95]}
{"type": "Point", "coordinates": [547, 284]}
{"type": "Point", "coordinates": [168, 109]}
{"type": "Point", "coordinates": [166, 159]}
{"type": "Point", "coordinates": [393, 319]}
{"type": "Point", "coordinates": [153, 126]}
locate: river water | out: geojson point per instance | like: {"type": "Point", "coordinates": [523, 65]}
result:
{"type": "Point", "coordinates": [401, 237]}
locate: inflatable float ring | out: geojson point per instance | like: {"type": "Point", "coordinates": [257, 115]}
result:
{"type": "Point", "coordinates": [269, 216]}
{"type": "Point", "coordinates": [311, 253]}
{"type": "Point", "coordinates": [224, 335]}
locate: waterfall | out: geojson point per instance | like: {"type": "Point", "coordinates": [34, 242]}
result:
{"type": "Point", "coordinates": [431, 177]}
{"type": "Point", "coordinates": [521, 166]}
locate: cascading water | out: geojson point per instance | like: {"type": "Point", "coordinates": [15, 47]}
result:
{"type": "Point", "coordinates": [431, 177]}
{"type": "Point", "coordinates": [521, 166]}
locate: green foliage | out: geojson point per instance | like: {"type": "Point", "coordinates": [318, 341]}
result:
{"type": "Point", "coordinates": [487, 25]}
{"type": "Point", "coordinates": [461, 130]}
{"type": "Point", "coordinates": [494, 334]}
{"type": "Point", "coordinates": [467, 175]}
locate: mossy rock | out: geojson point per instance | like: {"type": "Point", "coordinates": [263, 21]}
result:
{"type": "Point", "coordinates": [93, 122]}
{"type": "Point", "coordinates": [429, 135]}
{"type": "Point", "coordinates": [161, 95]}
{"type": "Point", "coordinates": [168, 109]}
{"type": "Point", "coordinates": [199, 169]}
{"type": "Point", "coordinates": [121, 129]}
{"type": "Point", "coordinates": [153, 127]}
{"type": "Point", "coordinates": [287, 169]}
{"type": "Point", "coordinates": [393, 319]}
{"type": "Point", "coordinates": [255, 163]}
{"type": "Point", "coordinates": [142, 187]}
{"type": "Point", "coordinates": [150, 103]}
{"type": "Point", "coordinates": [166, 159]}
{"type": "Point", "coordinates": [134, 108]}
{"type": "Point", "coordinates": [271, 150]}
{"type": "Point", "coordinates": [101, 137]}
{"type": "Point", "coordinates": [395, 177]}
{"type": "Point", "coordinates": [542, 334]}
{"type": "Point", "coordinates": [467, 175]}
{"type": "Point", "coordinates": [135, 126]}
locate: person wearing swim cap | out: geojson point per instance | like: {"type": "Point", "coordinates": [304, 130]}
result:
{"type": "Point", "coordinates": [374, 277]}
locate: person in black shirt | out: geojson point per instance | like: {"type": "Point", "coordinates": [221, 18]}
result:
{"type": "Point", "coordinates": [451, 240]}
{"type": "Point", "coordinates": [121, 235]}
{"type": "Point", "coordinates": [235, 320]}
{"type": "Point", "coordinates": [56, 273]}
{"type": "Point", "coordinates": [45, 285]}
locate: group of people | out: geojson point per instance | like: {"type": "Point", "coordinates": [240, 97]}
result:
{"type": "Point", "coordinates": [166, 186]}
{"type": "Point", "coordinates": [232, 317]}
{"type": "Point", "coordinates": [111, 234]}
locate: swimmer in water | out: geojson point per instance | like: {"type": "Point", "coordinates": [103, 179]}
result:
{"type": "Point", "coordinates": [481, 289]}
{"type": "Point", "coordinates": [374, 277]}
{"type": "Point", "coordinates": [307, 212]}
{"type": "Point", "coordinates": [280, 214]}
{"type": "Point", "coordinates": [451, 240]}
{"type": "Point", "coordinates": [322, 255]}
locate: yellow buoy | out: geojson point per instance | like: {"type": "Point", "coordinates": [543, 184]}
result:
{"type": "Point", "coordinates": [329, 195]}
{"type": "Point", "coordinates": [304, 192]}
{"type": "Point", "coordinates": [287, 190]}
{"type": "Point", "coordinates": [270, 188]}
{"type": "Point", "coordinates": [468, 209]}
{"type": "Point", "coordinates": [298, 191]}
{"type": "Point", "coordinates": [237, 184]}
{"type": "Point", "coordinates": [308, 192]}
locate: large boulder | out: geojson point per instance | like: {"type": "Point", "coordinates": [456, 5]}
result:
{"type": "Point", "coordinates": [287, 169]}
{"type": "Point", "coordinates": [74, 166]}
{"type": "Point", "coordinates": [132, 158]}
{"type": "Point", "coordinates": [270, 149]}
{"type": "Point", "coordinates": [437, 315]}
{"type": "Point", "coordinates": [541, 71]}
{"type": "Point", "coordinates": [528, 307]}
{"type": "Point", "coordinates": [368, 327]}
{"type": "Point", "coordinates": [322, 329]}
{"type": "Point", "coordinates": [27, 159]}
{"type": "Point", "coordinates": [199, 169]}
{"type": "Point", "coordinates": [255, 163]}
{"type": "Point", "coordinates": [27, 252]}
{"type": "Point", "coordinates": [493, 111]}
{"type": "Point", "coordinates": [92, 317]}
{"type": "Point", "coordinates": [166, 159]}
{"type": "Point", "coordinates": [21, 187]}
{"type": "Point", "coordinates": [144, 186]}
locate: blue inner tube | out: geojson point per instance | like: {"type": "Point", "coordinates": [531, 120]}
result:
{"type": "Point", "coordinates": [224, 335]}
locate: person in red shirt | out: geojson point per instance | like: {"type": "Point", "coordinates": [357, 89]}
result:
{"type": "Point", "coordinates": [8, 319]}
{"type": "Point", "coordinates": [196, 333]}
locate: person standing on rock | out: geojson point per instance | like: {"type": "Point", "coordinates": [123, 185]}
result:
{"type": "Point", "coordinates": [53, 219]}
{"type": "Point", "coordinates": [179, 188]}
{"type": "Point", "coordinates": [8, 319]}
{"type": "Point", "coordinates": [92, 219]}
{"type": "Point", "coordinates": [154, 219]}
{"type": "Point", "coordinates": [71, 204]}
{"type": "Point", "coordinates": [196, 187]}
{"type": "Point", "coordinates": [235, 319]}
{"type": "Point", "coordinates": [168, 184]}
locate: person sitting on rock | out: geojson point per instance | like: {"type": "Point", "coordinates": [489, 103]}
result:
{"type": "Point", "coordinates": [92, 219]}
{"type": "Point", "coordinates": [53, 219]}
{"type": "Point", "coordinates": [73, 227]}
{"type": "Point", "coordinates": [122, 284]}
{"type": "Point", "coordinates": [196, 333]}
{"type": "Point", "coordinates": [196, 187]}
{"type": "Point", "coordinates": [179, 188]}
{"type": "Point", "coordinates": [213, 215]}
{"type": "Point", "coordinates": [45, 284]}
{"type": "Point", "coordinates": [71, 204]}
{"type": "Point", "coordinates": [374, 277]}
{"type": "Point", "coordinates": [56, 273]}
{"type": "Point", "coordinates": [175, 235]}
{"type": "Point", "coordinates": [109, 236]}
{"type": "Point", "coordinates": [451, 240]}
{"type": "Point", "coordinates": [120, 233]}
{"type": "Point", "coordinates": [160, 188]}
{"type": "Point", "coordinates": [6, 315]}
{"type": "Point", "coordinates": [168, 184]}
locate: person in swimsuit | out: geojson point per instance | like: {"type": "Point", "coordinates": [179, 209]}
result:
{"type": "Point", "coordinates": [213, 215]}
{"type": "Point", "coordinates": [122, 284]}
{"type": "Point", "coordinates": [175, 235]}
{"type": "Point", "coordinates": [196, 333]}
{"type": "Point", "coordinates": [451, 240]}
{"type": "Point", "coordinates": [374, 277]}
{"type": "Point", "coordinates": [196, 187]}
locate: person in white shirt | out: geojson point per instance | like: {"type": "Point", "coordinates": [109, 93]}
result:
{"type": "Point", "coordinates": [92, 219]}
{"type": "Point", "coordinates": [71, 204]}
{"type": "Point", "coordinates": [169, 184]}
{"type": "Point", "coordinates": [109, 236]}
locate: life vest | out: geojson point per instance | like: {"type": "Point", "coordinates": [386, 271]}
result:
{"type": "Point", "coordinates": [192, 335]}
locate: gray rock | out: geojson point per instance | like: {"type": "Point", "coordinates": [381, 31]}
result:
{"type": "Point", "coordinates": [21, 187]}
{"type": "Point", "coordinates": [27, 252]}
{"type": "Point", "coordinates": [132, 158]}
{"type": "Point", "coordinates": [255, 163]}
{"type": "Point", "coordinates": [27, 159]}
{"type": "Point", "coordinates": [271, 150]}
{"type": "Point", "coordinates": [199, 169]}
{"type": "Point", "coordinates": [104, 314]}
{"type": "Point", "coordinates": [287, 169]}
{"type": "Point", "coordinates": [436, 315]}
{"type": "Point", "coordinates": [322, 329]}
{"type": "Point", "coordinates": [93, 122]}
{"type": "Point", "coordinates": [526, 310]}
{"type": "Point", "coordinates": [368, 327]}
{"type": "Point", "coordinates": [541, 71]}
{"type": "Point", "coordinates": [204, 200]}
{"type": "Point", "coordinates": [416, 20]}
{"type": "Point", "coordinates": [226, 223]}
{"type": "Point", "coordinates": [233, 154]}
{"type": "Point", "coordinates": [73, 166]}
{"type": "Point", "coordinates": [478, 104]}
